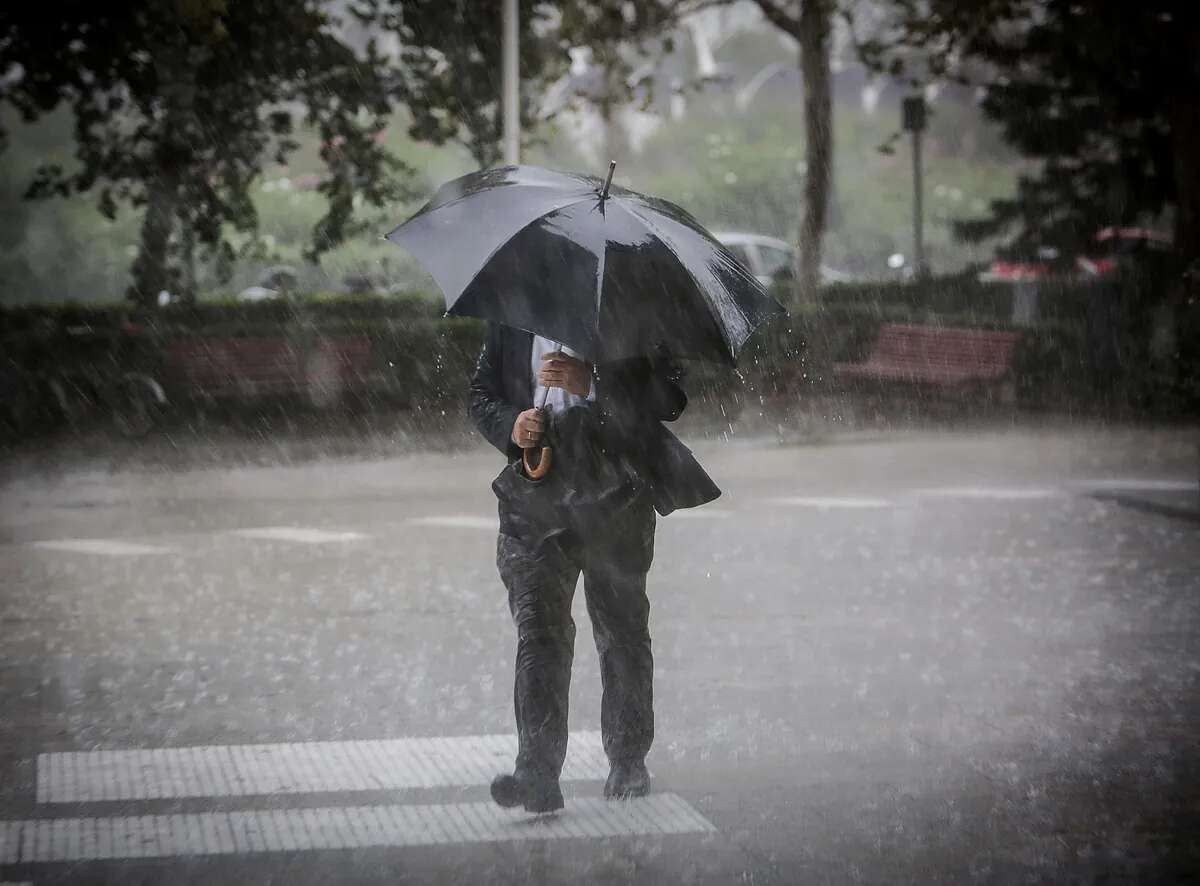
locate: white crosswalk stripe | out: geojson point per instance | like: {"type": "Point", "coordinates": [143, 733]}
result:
{"type": "Point", "coordinates": [334, 827]}
{"type": "Point", "coordinates": [314, 767]}
{"type": "Point", "coordinates": [294, 768]}
{"type": "Point", "coordinates": [996, 493]}
{"type": "Point", "coordinates": [1132, 484]}
{"type": "Point", "coordinates": [459, 521]}
{"type": "Point", "coordinates": [107, 547]}
{"type": "Point", "coordinates": [298, 534]}
{"type": "Point", "coordinates": [828, 502]}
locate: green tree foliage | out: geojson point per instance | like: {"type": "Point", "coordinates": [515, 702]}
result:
{"type": "Point", "coordinates": [810, 24]}
{"type": "Point", "coordinates": [449, 53]}
{"type": "Point", "coordinates": [1103, 93]}
{"type": "Point", "coordinates": [178, 104]}
{"type": "Point", "coordinates": [447, 65]}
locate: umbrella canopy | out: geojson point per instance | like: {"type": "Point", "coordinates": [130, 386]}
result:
{"type": "Point", "coordinates": [607, 271]}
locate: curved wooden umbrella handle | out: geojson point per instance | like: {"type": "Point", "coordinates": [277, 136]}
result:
{"type": "Point", "coordinates": [542, 467]}
{"type": "Point", "coordinates": [538, 470]}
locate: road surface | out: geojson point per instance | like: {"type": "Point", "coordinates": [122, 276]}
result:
{"type": "Point", "coordinates": [920, 659]}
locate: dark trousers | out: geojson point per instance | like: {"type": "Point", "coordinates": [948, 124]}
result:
{"type": "Point", "coordinates": [540, 577]}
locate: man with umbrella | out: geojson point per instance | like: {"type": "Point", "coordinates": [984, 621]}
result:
{"type": "Point", "coordinates": [544, 547]}
{"type": "Point", "coordinates": [590, 295]}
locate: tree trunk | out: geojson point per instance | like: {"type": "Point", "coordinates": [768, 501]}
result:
{"type": "Point", "coordinates": [1177, 351]}
{"type": "Point", "coordinates": [175, 66]}
{"type": "Point", "coordinates": [1183, 114]}
{"type": "Point", "coordinates": [1185, 147]}
{"type": "Point", "coordinates": [815, 25]}
{"type": "Point", "coordinates": [151, 274]}
{"type": "Point", "coordinates": [484, 136]}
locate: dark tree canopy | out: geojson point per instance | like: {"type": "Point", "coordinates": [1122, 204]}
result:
{"type": "Point", "coordinates": [1104, 93]}
{"type": "Point", "coordinates": [447, 68]}
{"type": "Point", "coordinates": [811, 26]}
{"type": "Point", "coordinates": [449, 54]}
{"type": "Point", "coordinates": [179, 103]}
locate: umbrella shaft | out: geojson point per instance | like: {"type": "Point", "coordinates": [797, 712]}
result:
{"type": "Point", "coordinates": [546, 389]}
{"type": "Point", "coordinates": [612, 165]}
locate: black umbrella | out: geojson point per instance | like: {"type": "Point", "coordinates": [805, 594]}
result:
{"type": "Point", "coordinates": [607, 271]}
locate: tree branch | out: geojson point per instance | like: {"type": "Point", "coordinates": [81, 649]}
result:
{"type": "Point", "coordinates": [780, 19]}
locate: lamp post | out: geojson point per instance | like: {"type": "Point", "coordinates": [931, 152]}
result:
{"type": "Point", "coordinates": [510, 88]}
{"type": "Point", "coordinates": [914, 113]}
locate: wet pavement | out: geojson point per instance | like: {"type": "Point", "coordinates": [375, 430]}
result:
{"type": "Point", "coordinates": [914, 659]}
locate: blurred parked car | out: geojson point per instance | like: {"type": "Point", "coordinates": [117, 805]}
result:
{"type": "Point", "coordinates": [770, 259]}
{"type": "Point", "coordinates": [276, 281]}
{"type": "Point", "coordinates": [1112, 249]}
{"type": "Point", "coordinates": [1125, 248]}
{"type": "Point", "coordinates": [360, 284]}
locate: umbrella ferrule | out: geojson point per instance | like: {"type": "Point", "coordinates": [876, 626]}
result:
{"type": "Point", "coordinates": [612, 165]}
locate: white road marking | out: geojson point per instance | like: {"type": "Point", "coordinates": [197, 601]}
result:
{"type": "Point", "coordinates": [1127, 484]}
{"type": "Point", "coordinates": [700, 513]}
{"type": "Point", "coordinates": [298, 534]}
{"type": "Point", "coordinates": [106, 546]}
{"type": "Point", "coordinates": [335, 827]}
{"type": "Point", "coordinates": [826, 502]}
{"type": "Point", "coordinates": [459, 521]}
{"type": "Point", "coordinates": [295, 768]}
{"type": "Point", "coordinates": [994, 493]}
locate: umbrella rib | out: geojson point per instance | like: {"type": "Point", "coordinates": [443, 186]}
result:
{"type": "Point", "coordinates": [429, 207]}
{"type": "Point", "coordinates": [666, 240]}
{"type": "Point", "coordinates": [533, 187]}
{"type": "Point", "coordinates": [574, 201]}
{"type": "Point", "coordinates": [600, 279]}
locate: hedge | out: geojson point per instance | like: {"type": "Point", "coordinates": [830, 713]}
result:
{"type": "Point", "coordinates": [228, 316]}
{"type": "Point", "coordinates": [1056, 362]}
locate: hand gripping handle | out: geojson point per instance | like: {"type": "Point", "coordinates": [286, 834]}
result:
{"type": "Point", "coordinates": [536, 470]}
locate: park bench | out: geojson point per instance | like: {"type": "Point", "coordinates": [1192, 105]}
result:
{"type": "Point", "coordinates": [269, 365]}
{"type": "Point", "coordinates": [937, 356]}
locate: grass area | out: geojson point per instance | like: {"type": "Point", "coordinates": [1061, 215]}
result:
{"type": "Point", "coordinates": [732, 169]}
{"type": "Point", "coordinates": [745, 172]}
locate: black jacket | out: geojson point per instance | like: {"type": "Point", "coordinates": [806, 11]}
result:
{"type": "Point", "coordinates": [635, 396]}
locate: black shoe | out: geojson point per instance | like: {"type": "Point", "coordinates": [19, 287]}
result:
{"type": "Point", "coordinates": [536, 795]}
{"type": "Point", "coordinates": [626, 780]}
